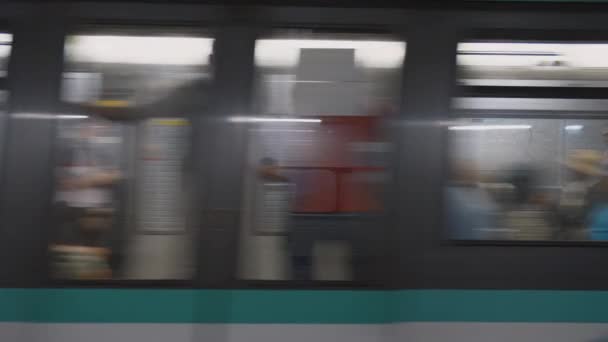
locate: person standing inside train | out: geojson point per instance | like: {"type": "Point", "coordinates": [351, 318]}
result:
{"type": "Point", "coordinates": [85, 201]}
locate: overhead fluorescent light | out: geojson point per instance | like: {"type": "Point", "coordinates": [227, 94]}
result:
{"type": "Point", "coordinates": [508, 53]}
{"type": "Point", "coordinates": [573, 127]}
{"type": "Point", "coordinates": [488, 127]}
{"type": "Point", "coordinates": [48, 116]}
{"type": "Point", "coordinates": [139, 50]}
{"type": "Point", "coordinates": [270, 119]}
{"type": "Point", "coordinates": [368, 53]}
{"type": "Point", "coordinates": [71, 116]}
{"type": "Point", "coordinates": [286, 130]}
{"type": "Point", "coordinates": [531, 54]}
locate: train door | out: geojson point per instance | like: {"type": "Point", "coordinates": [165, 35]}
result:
{"type": "Point", "coordinates": [317, 156]}
{"type": "Point", "coordinates": [123, 176]}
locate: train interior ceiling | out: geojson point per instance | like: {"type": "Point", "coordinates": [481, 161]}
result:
{"type": "Point", "coordinates": [202, 145]}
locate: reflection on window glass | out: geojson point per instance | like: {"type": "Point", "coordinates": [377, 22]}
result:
{"type": "Point", "coordinates": [6, 41]}
{"type": "Point", "coordinates": [134, 70]}
{"type": "Point", "coordinates": [534, 64]}
{"type": "Point", "coordinates": [123, 165]}
{"type": "Point", "coordinates": [317, 155]}
{"type": "Point", "coordinates": [528, 179]}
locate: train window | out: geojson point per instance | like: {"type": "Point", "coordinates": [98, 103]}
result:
{"type": "Point", "coordinates": [123, 165]}
{"type": "Point", "coordinates": [532, 64]}
{"type": "Point", "coordinates": [6, 40]}
{"type": "Point", "coordinates": [528, 155]}
{"type": "Point", "coordinates": [317, 163]}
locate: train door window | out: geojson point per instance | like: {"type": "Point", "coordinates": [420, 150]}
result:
{"type": "Point", "coordinates": [6, 40]}
{"type": "Point", "coordinates": [123, 175]}
{"type": "Point", "coordinates": [528, 152]}
{"type": "Point", "coordinates": [317, 165]}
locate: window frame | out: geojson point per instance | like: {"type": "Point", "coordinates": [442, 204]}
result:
{"type": "Point", "coordinates": [135, 27]}
{"type": "Point", "coordinates": [460, 91]}
{"type": "Point", "coordinates": [397, 33]}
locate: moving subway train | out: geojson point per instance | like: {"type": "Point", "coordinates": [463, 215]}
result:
{"type": "Point", "coordinates": [194, 172]}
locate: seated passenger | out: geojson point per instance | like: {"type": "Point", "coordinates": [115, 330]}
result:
{"type": "Point", "coordinates": [528, 217]}
{"type": "Point", "coordinates": [574, 197]}
{"type": "Point", "coordinates": [470, 209]}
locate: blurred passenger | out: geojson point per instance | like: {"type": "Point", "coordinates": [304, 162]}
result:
{"type": "Point", "coordinates": [582, 165]}
{"type": "Point", "coordinates": [604, 162]}
{"type": "Point", "coordinates": [529, 216]}
{"type": "Point", "coordinates": [597, 201]}
{"type": "Point", "coordinates": [85, 203]}
{"type": "Point", "coordinates": [522, 179]}
{"type": "Point", "coordinates": [598, 209]}
{"type": "Point", "coordinates": [268, 171]}
{"type": "Point", "coordinates": [470, 209]}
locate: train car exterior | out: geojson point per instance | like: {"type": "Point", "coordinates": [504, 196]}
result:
{"type": "Point", "coordinates": [415, 282]}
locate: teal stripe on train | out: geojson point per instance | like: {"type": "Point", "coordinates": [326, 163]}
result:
{"type": "Point", "coordinates": [251, 306]}
{"type": "Point", "coordinates": [500, 306]}
{"type": "Point", "coordinates": [299, 306]}
{"type": "Point", "coordinates": [192, 306]}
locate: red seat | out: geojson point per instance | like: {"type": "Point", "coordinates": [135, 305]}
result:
{"type": "Point", "coordinates": [315, 190]}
